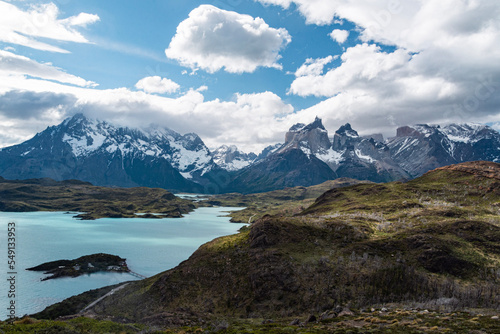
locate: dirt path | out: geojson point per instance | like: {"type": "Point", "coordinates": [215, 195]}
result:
{"type": "Point", "coordinates": [106, 295]}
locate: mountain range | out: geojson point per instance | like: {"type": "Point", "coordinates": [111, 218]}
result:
{"type": "Point", "coordinates": [110, 155]}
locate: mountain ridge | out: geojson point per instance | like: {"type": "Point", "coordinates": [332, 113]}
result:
{"type": "Point", "coordinates": [109, 155]}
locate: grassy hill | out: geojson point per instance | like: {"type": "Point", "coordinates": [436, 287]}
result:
{"type": "Point", "coordinates": [94, 202]}
{"type": "Point", "coordinates": [286, 201]}
{"type": "Point", "coordinates": [364, 258]}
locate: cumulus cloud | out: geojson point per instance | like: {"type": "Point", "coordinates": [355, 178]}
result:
{"type": "Point", "coordinates": [340, 36]}
{"type": "Point", "coordinates": [156, 84]}
{"type": "Point", "coordinates": [313, 67]}
{"type": "Point", "coordinates": [213, 39]}
{"type": "Point", "coordinates": [265, 115]}
{"type": "Point", "coordinates": [41, 21]}
{"type": "Point", "coordinates": [441, 67]}
{"type": "Point", "coordinates": [363, 66]}
{"type": "Point", "coordinates": [11, 63]}
{"type": "Point", "coordinates": [315, 11]}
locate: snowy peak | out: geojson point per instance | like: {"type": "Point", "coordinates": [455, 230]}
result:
{"type": "Point", "coordinates": [88, 137]}
{"type": "Point", "coordinates": [301, 127]}
{"type": "Point", "coordinates": [231, 159]}
{"type": "Point", "coordinates": [345, 137]}
{"type": "Point", "coordinates": [317, 124]}
{"type": "Point", "coordinates": [422, 147]}
{"type": "Point", "coordinates": [459, 133]}
{"type": "Point", "coordinates": [467, 133]}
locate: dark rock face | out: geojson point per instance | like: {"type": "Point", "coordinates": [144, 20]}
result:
{"type": "Point", "coordinates": [267, 151]}
{"type": "Point", "coordinates": [290, 168]}
{"type": "Point", "coordinates": [100, 153]}
{"type": "Point", "coordinates": [363, 158]}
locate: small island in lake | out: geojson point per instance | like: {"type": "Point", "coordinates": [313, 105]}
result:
{"type": "Point", "coordinates": [87, 264]}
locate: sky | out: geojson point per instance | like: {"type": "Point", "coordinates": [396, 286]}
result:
{"type": "Point", "coordinates": [241, 72]}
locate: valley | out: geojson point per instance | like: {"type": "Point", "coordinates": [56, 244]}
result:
{"type": "Point", "coordinates": [419, 256]}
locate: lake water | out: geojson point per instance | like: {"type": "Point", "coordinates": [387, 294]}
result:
{"type": "Point", "coordinates": [149, 245]}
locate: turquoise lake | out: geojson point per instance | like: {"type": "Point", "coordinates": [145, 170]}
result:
{"type": "Point", "coordinates": [149, 245]}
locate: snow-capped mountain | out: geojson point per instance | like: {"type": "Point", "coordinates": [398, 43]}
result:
{"type": "Point", "coordinates": [309, 157]}
{"type": "Point", "coordinates": [362, 158]}
{"type": "Point", "coordinates": [105, 154]}
{"type": "Point", "coordinates": [110, 155]}
{"type": "Point", "coordinates": [347, 154]}
{"type": "Point", "coordinates": [423, 147]}
{"type": "Point", "coordinates": [231, 159]}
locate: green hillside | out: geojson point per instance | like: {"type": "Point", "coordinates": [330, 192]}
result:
{"type": "Point", "coordinates": [383, 254]}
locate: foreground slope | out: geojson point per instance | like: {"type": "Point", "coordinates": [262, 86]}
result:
{"type": "Point", "coordinates": [434, 240]}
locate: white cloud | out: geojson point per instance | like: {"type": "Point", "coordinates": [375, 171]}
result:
{"type": "Point", "coordinates": [156, 84]}
{"type": "Point", "coordinates": [340, 36]}
{"type": "Point", "coordinates": [41, 21]}
{"type": "Point", "coordinates": [213, 39]}
{"type": "Point", "coordinates": [250, 121]}
{"type": "Point", "coordinates": [315, 11]}
{"type": "Point", "coordinates": [313, 67]}
{"type": "Point", "coordinates": [363, 66]}
{"type": "Point", "coordinates": [444, 67]}
{"type": "Point", "coordinates": [12, 64]}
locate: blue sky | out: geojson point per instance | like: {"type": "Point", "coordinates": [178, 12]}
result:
{"type": "Point", "coordinates": [243, 71]}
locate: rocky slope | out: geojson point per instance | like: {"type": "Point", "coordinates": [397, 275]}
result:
{"type": "Point", "coordinates": [432, 241]}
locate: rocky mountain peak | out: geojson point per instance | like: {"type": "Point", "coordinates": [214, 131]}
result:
{"type": "Point", "coordinates": [346, 130]}
{"type": "Point", "coordinates": [231, 158]}
{"type": "Point", "coordinates": [311, 138]}
{"type": "Point", "coordinates": [107, 154]}
{"type": "Point", "coordinates": [423, 147]}
{"type": "Point", "coordinates": [317, 124]}
{"type": "Point", "coordinates": [418, 130]}
{"type": "Point", "coordinates": [345, 137]}
{"type": "Point", "coordinates": [301, 127]}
